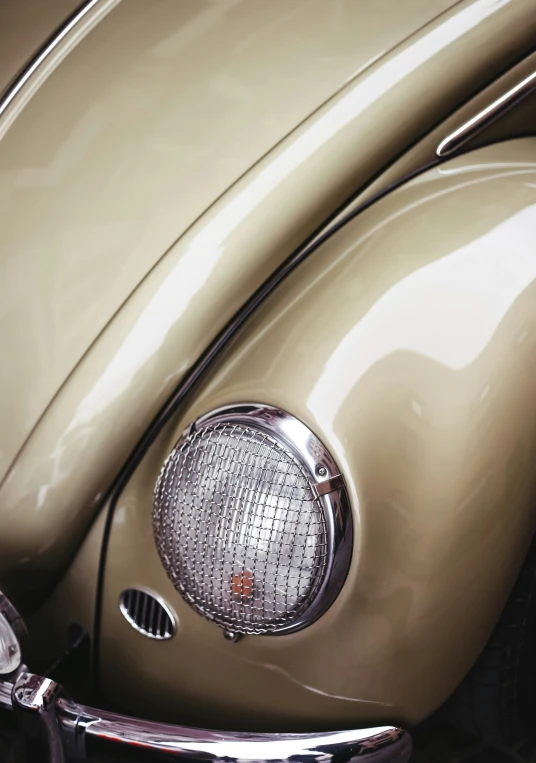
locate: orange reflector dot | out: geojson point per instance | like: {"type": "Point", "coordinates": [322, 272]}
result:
{"type": "Point", "coordinates": [242, 583]}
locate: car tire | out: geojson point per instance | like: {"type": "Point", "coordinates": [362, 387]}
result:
{"type": "Point", "coordinates": [497, 700]}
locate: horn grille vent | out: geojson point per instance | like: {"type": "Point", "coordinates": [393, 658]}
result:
{"type": "Point", "coordinates": [147, 614]}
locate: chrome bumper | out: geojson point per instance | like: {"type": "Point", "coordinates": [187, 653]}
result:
{"type": "Point", "coordinates": [72, 732]}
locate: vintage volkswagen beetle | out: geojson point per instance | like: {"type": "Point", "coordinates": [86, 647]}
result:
{"type": "Point", "coordinates": [268, 384]}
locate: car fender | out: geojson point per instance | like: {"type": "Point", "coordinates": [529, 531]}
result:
{"type": "Point", "coordinates": [407, 343]}
{"type": "Point", "coordinates": [87, 423]}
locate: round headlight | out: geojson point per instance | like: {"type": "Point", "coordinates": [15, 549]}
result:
{"type": "Point", "coordinates": [10, 654]}
{"type": "Point", "coordinates": [12, 635]}
{"type": "Point", "coordinates": [252, 522]}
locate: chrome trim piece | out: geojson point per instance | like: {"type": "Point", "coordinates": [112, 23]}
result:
{"type": "Point", "coordinates": [34, 702]}
{"type": "Point", "coordinates": [24, 77]}
{"type": "Point", "coordinates": [14, 619]}
{"type": "Point", "coordinates": [284, 428]}
{"type": "Point", "coordinates": [232, 636]}
{"type": "Point", "coordinates": [16, 623]}
{"type": "Point", "coordinates": [459, 137]}
{"type": "Point", "coordinates": [66, 729]}
{"type": "Point", "coordinates": [159, 622]}
{"type": "Point", "coordinates": [10, 652]}
{"type": "Point", "coordinates": [380, 744]}
{"type": "Point", "coordinates": [5, 696]}
{"type": "Point", "coordinates": [327, 485]}
{"type": "Point", "coordinates": [45, 51]}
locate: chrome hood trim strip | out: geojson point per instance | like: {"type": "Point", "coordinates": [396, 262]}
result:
{"type": "Point", "coordinates": [484, 118]}
{"type": "Point", "coordinates": [35, 65]}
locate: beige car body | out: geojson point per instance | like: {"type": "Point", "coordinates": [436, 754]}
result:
{"type": "Point", "coordinates": [161, 165]}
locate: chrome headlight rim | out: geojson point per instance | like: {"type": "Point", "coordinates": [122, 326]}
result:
{"type": "Point", "coordinates": [327, 485]}
{"type": "Point", "coordinates": [12, 620]}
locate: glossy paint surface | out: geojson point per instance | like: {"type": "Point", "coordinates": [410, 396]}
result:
{"type": "Point", "coordinates": [146, 123]}
{"type": "Point", "coordinates": [517, 122]}
{"type": "Point", "coordinates": [407, 343]}
{"type": "Point", "coordinates": [57, 482]}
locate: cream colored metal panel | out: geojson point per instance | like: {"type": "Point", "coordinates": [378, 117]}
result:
{"type": "Point", "coordinates": [87, 433]}
{"type": "Point", "coordinates": [407, 344]}
{"type": "Point", "coordinates": [517, 122]}
{"type": "Point", "coordinates": [143, 126]}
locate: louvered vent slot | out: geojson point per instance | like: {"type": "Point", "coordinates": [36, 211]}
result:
{"type": "Point", "coordinates": [147, 614]}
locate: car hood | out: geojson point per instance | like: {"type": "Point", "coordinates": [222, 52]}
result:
{"type": "Point", "coordinates": [150, 117]}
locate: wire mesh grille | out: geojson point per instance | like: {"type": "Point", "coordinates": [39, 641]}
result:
{"type": "Point", "coordinates": [239, 530]}
{"type": "Point", "coordinates": [145, 613]}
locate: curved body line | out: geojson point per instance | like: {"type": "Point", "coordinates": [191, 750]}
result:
{"type": "Point", "coordinates": [214, 268]}
{"type": "Point", "coordinates": [326, 230]}
{"type": "Point", "coordinates": [50, 45]}
{"type": "Point", "coordinates": [484, 118]}
{"type": "Point", "coordinates": [424, 411]}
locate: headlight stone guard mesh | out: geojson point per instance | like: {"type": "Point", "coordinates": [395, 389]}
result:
{"type": "Point", "coordinates": [243, 524]}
